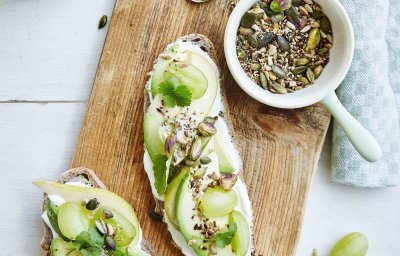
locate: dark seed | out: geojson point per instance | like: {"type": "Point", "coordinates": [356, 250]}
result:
{"type": "Point", "coordinates": [92, 204]}
{"type": "Point", "coordinates": [248, 19]}
{"type": "Point", "coordinates": [325, 24]}
{"type": "Point", "coordinates": [279, 72]}
{"type": "Point", "coordinates": [296, 2]}
{"type": "Point", "coordinates": [253, 41]}
{"type": "Point", "coordinates": [293, 16]}
{"type": "Point", "coordinates": [103, 21]}
{"type": "Point", "coordinates": [316, 14]}
{"type": "Point", "coordinates": [299, 70]}
{"type": "Point", "coordinates": [265, 40]}
{"type": "Point", "coordinates": [155, 215]}
{"type": "Point", "coordinates": [283, 43]}
{"type": "Point", "coordinates": [107, 213]}
{"type": "Point", "coordinates": [110, 243]}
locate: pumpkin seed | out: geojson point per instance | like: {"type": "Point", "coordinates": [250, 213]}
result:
{"type": "Point", "coordinates": [298, 70]}
{"type": "Point", "coordinates": [110, 243]}
{"type": "Point", "coordinates": [317, 71]}
{"type": "Point", "coordinates": [103, 21]}
{"type": "Point", "coordinates": [313, 39]}
{"type": "Point", "coordinates": [279, 88]}
{"type": "Point", "coordinates": [279, 72]}
{"type": "Point", "coordinates": [283, 43]}
{"type": "Point", "coordinates": [92, 204]}
{"type": "Point", "coordinates": [199, 173]}
{"type": "Point", "coordinates": [205, 160]}
{"type": "Point", "coordinates": [241, 54]}
{"type": "Point", "coordinates": [314, 252]}
{"type": "Point", "coordinates": [322, 50]}
{"type": "Point", "coordinates": [310, 75]}
{"type": "Point", "coordinates": [303, 80]}
{"type": "Point", "coordinates": [263, 80]}
{"type": "Point", "coordinates": [255, 66]}
{"type": "Point", "coordinates": [265, 40]}
{"type": "Point", "coordinates": [293, 15]}
{"type": "Point", "coordinates": [155, 215]}
{"type": "Point", "coordinates": [253, 41]}
{"type": "Point", "coordinates": [107, 213]}
{"type": "Point", "coordinates": [277, 17]}
{"type": "Point", "coordinates": [301, 62]}
{"type": "Point", "coordinates": [325, 24]}
{"type": "Point", "coordinates": [316, 14]}
{"type": "Point", "coordinates": [248, 19]}
{"type": "Point", "coordinates": [245, 31]}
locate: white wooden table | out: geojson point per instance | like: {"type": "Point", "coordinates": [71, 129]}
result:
{"type": "Point", "coordinates": [49, 50]}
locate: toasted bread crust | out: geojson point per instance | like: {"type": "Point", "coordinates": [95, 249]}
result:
{"type": "Point", "coordinates": [87, 176]}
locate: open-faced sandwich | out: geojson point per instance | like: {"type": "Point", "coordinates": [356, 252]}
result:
{"type": "Point", "coordinates": [83, 218]}
{"type": "Point", "coordinates": [190, 159]}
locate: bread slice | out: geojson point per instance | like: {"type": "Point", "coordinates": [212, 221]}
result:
{"type": "Point", "coordinates": [88, 177]}
{"type": "Point", "coordinates": [208, 47]}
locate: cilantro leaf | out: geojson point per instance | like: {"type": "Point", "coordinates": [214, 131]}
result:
{"type": "Point", "coordinates": [89, 243]}
{"type": "Point", "coordinates": [52, 214]}
{"type": "Point", "coordinates": [174, 93]}
{"type": "Point", "coordinates": [161, 167]}
{"type": "Point", "coordinates": [225, 238]}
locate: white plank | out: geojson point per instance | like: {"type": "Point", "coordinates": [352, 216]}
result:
{"type": "Point", "coordinates": [49, 49]}
{"type": "Point", "coordinates": [37, 142]}
{"type": "Point", "coordinates": [334, 210]}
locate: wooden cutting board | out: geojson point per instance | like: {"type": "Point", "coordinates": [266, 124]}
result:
{"type": "Point", "coordinates": [279, 148]}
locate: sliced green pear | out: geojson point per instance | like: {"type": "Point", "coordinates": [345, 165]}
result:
{"type": "Point", "coordinates": [228, 158]}
{"type": "Point", "coordinates": [241, 241]}
{"type": "Point", "coordinates": [106, 199]}
{"type": "Point", "coordinates": [72, 219]}
{"type": "Point", "coordinates": [217, 202]}
{"type": "Point", "coordinates": [154, 133]}
{"type": "Point", "coordinates": [158, 74]}
{"type": "Point", "coordinates": [59, 247]}
{"type": "Point", "coordinates": [190, 76]}
{"type": "Point", "coordinates": [170, 196]}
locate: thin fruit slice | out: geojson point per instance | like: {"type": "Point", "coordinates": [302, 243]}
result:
{"type": "Point", "coordinates": [217, 202]}
{"type": "Point", "coordinates": [170, 196]}
{"type": "Point", "coordinates": [72, 219]}
{"type": "Point", "coordinates": [124, 231]}
{"type": "Point", "coordinates": [77, 194]}
{"type": "Point", "coordinates": [241, 240]}
{"type": "Point", "coordinates": [59, 247]}
{"type": "Point", "coordinates": [190, 76]}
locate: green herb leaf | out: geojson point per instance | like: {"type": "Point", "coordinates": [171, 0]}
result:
{"type": "Point", "coordinates": [52, 213]}
{"type": "Point", "coordinates": [225, 238]}
{"type": "Point", "coordinates": [160, 168]}
{"type": "Point", "coordinates": [120, 253]}
{"type": "Point", "coordinates": [89, 243]}
{"type": "Point", "coordinates": [174, 93]}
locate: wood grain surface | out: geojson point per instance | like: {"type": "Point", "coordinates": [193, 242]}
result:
{"type": "Point", "coordinates": [279, 148]}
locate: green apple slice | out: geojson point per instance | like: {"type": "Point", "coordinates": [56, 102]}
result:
{"type": "Point", "coordinates": [170, 196]}
{"type": "Point", "coordinates": [107, 199]}
{"type": "Point", "coordinates": [59, 247]}
{"type": "Point", "coordinates": [241, 241]}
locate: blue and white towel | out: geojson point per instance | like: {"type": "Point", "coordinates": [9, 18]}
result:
{"type": "Point", "coordinates": [371, 92]}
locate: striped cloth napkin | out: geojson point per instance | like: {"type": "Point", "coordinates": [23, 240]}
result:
{"type": "Point", "coordinates": [371, 92]}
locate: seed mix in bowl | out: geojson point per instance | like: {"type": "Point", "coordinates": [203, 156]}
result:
{"type": "Point", "coordinates": [283, 45]}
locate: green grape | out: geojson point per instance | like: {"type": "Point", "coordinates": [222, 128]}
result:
{"type": "Point", "coordinates": [59, 247]}
{"type": "Point", "coordinates": [190, 76]}
{"type": "Point", "coordinates": [124, 231]}
{"type": "Point", "coordinates": [72, 219]}
{"type": "Point", "coordinates": [353, 244]}
{"type": "Point", "coordinates": [217, 202]}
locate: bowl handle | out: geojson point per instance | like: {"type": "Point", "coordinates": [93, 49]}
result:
{"type": "Point", "coordinates": [361, 139]}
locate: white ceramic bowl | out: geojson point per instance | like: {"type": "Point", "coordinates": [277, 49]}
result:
{"type": "Point", "coordinates": [341, 55]}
